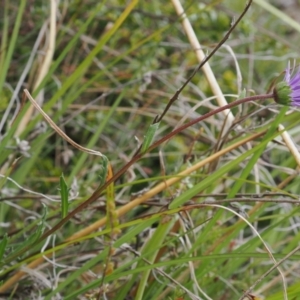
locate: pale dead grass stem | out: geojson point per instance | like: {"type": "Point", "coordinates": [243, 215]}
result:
{"type": "Point", "coordinates": [45, 65]}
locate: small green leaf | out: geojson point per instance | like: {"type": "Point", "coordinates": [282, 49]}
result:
{"type": "Point", "coordinates": [242, 95]}
{"type": "Point", "coordinates": [64, 193]}
{"type": "Point", "coordinates": [149, 136]}
{"type": "Point", "coordinates": [103, 170]}
{"type": "Point", "coordinates": [44, 213]}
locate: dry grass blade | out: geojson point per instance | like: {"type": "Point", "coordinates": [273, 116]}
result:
{"type": "Point", "coordinates": [201, 57]}
{"type": "Point", "coordinates": [44, 68]}
{"type": "Point", "coordinates": [58, 130]}
{"type": "Point", "coordinates": [290, 144]}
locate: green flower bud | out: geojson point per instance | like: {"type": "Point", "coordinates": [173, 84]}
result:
{"type": "Point", "coordinates": [282, 92]}
{"type": "Point", "coordinates": [287, 92]}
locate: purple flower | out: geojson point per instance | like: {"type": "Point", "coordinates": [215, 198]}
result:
{"type": "Point", "coordinates": [287, 92]}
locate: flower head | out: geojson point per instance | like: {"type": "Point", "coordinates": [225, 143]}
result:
{"type": "Point", "coordinates": [287, 92]}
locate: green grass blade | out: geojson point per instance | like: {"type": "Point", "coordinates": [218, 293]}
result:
{"type": "Point", "coordinates": [70, 45]}
{"type": "Point", "coordinates": [278, 13]}
{"type": "Point", "coordinates": [256, 155]}
{"type": "Point", "coordinates": [12, 43]}
{"type": "Point", "coordinates": [152, 246]}
{"type": "Point", "coordinates": [3, 244]}
{"type": "Point", "coordinates": [64, 194]}
{"type": "Point", "coordinates": [149, 136]}
{"type": "Point", "coordinates": [96, 260]}
{"type": "Point", "coordinates": [186, 196]}
{"type": "Point", "coordinates": [4, 38]}
{"type": "Point", "coordinates": [81, 69]}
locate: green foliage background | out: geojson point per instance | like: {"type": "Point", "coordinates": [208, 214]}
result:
{"type": "Point", "coordinates": [111, 74]}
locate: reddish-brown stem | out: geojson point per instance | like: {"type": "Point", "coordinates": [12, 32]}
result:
{"type": "Point", "coordinates": [205, 60]}
{"type": "Point", "coordinates": [207, 115]}
{"type": "Point", "coordinates": [138, 156]}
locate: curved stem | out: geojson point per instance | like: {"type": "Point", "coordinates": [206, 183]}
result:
{"type": "Point", "coordinates": [207, 115]}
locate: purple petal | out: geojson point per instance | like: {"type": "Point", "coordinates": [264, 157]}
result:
{"type": "Point", "coordinates": [294, 83]}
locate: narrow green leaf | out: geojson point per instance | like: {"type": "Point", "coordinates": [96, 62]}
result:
{"type": "Point", "coordinates": [37, 226]}
{"type": "Point", "coordinates": [152, 247]}
{"type": "Point", "coordinates": [103, 170]}
{"type": "Point", "coordinates": [83, 66]}
{"type": "Point", "coordinates": [218, 174]}
{"type": "Point", "coordinates": [242, 94]}
{"type": "Point", "coordinates": [64, 193]}
{"type": "Point", "coordinates": [256, 155]}
{"type": "Point", "coordinates": [79, 32]}
{"type": "Point", "coordinates": [12, 43]}
{"type": "Point", "coordinates": [32, 238]}
{"type": "Point", "coordinates": [36, 235]}
{"type": "Point", "coordinates": [280, 14]}
{"type": "Point", "coordinates": [4, 38]}
{"type": "Point", "coordinates": [149, 136]}
{"type": "Point", "coordinates": [134, 231]}
{"type": "Point", "coordinates": [3, 244]}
